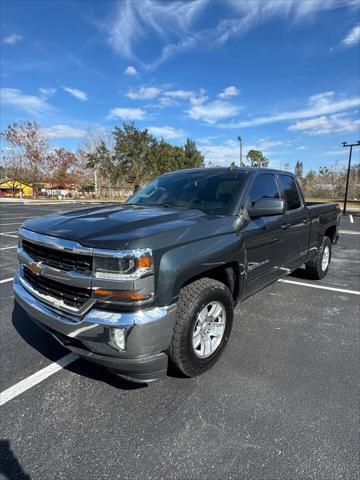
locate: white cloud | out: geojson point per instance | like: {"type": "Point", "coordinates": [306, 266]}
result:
{"type": "Point", "coordinates": [166, 132]}
{"type": "Point", "coordinates": [231, 91]}
{"type": "Point", "coordinates": [212, 112]}
{"type": "Point", "coordinates": [165, 102]}
{"type": "Point", "coordinates": [173, 26]}
{"type": "Point", "coordinates": [199, 99]}
{"type": "Point", "coordinates": [326, 124]}
{"type": "Point", "coordinates": [130, 71]}
{"type": "Point", "coordinates": [63, 131]}
{"type": "Point", "coordinates": [28, 103]}
{"type": "Point", "coordinates": [302, 147]}
{"type": "Point", "coordinates": [127, 114]}
{"type": "Point", "coordinates": [171, 98]}
{"type": "Point", "coordinates": [319, 104]}
{"type": "Point", "coordinates": [132, 22]}
{"type": "Point", "coordinates": [222, 154]}
{"type": "Point", "coordinates": [47, 92]}
{"type": "Point", "coordinates": [13, 39]}
{"type": "Point", "coordinates": [353, 37]}
{"type": "Point", "coordinates": [228, 151]}
{"type": "Point", "coordinates": [268, 143]}
{"type": "Point", "coordinates": [144, 93]}
{"type": "Point", "coordinates": [181, 94]}
{"type": "Point", "coordinates": [75, 92]}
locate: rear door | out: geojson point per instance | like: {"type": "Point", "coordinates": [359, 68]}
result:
{"type": "Point", "coordinates": [298, 234]}
{"type": "Point", "coordinates": [265, 238]}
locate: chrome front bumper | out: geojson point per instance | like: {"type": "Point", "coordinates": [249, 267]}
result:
{"type": "Point", "coordinates": [148, 332]}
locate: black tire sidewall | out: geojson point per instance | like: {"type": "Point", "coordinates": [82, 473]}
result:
{"type": "Point", "coordinates": [326, 243]}
{"type": "Point", "coordinates": [190, 361]}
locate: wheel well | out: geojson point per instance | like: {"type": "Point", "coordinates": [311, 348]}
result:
{"type": "Point", "coordinates": [331, 233]}
{"type": "Point", "coordinates": [227, 274]}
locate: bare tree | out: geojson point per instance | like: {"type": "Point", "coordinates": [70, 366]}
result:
{"type": "Point", "coordinates": [96, 141]}
{"type": "Point", "coordinates": [29, 150]}
{"type": "Point", "coordinates": [12, 162]}
{"type": "Point", "coordinates": [63, 168]}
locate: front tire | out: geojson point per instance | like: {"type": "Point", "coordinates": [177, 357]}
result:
{"type": "Point", "coordinates": [320, 267]}
{"type": "Point", "coordinates": [204, 320]}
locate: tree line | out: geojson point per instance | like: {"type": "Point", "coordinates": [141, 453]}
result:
{"type": "Point", "coordinates": [330, 182]}
{"type": "Point", "coordinates": [135, 156]}
{"type": "Point", "coordinates": [128, 157]}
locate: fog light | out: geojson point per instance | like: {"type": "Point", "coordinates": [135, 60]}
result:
{"type": "Point", "coordinates": [118, 338]}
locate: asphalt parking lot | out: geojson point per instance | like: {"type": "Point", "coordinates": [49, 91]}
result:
{"type": "Point", "coordinates": [282, 403]}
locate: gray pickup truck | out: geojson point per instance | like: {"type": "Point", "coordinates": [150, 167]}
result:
{"type": "Point", "coordinates": [155, 280]}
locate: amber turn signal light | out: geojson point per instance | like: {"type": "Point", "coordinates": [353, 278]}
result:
{"type": "Point", "coordinates": [144, 262]}
{"type": "Point", "coordinates": [120, 295]}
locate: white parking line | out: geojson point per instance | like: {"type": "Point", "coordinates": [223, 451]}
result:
{"type": "Point", "coordinates": [36, 378]}
{"type": "Point", "coordinates": [348, 232]}
{"type": "Point", "coordinates": [321, 287]}
{"type": "Point", "coordinates": [10, 217]}
{"type": "Point", "coordinates": [7, 280]}
{"type": "Point", "coordinates": [351, 218]}
{"type": "Point", "coordinates": [344, 260]}
{"type": "Point", "coordinates": [17, 223]}
{"type": "Point", "coordinates": [9, 234]}
{"type": "Point", "coordinates": [8, 248]}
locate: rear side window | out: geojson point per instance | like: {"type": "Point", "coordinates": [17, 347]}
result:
{"type": "Point", "coordinates": [289, 192]}
{"type": "Point", "coordinates": [264, 186]}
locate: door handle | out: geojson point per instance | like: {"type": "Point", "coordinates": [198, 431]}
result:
{"type": "Point", "coordinates": [306, 220]}
{"type": "Point", "coordinates": [285, 226]}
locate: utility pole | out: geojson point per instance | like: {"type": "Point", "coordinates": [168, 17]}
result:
{"type": "Point", "coordinates": [350, 145]}
{"type": "Point", "coordinates": [241, 159]}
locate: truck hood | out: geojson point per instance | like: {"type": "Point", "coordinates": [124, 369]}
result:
{"type": "Point", "coordinates": [113, 227]}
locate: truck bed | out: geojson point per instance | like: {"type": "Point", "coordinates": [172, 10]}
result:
{"type": "Point", "coordinates": [329, 209]}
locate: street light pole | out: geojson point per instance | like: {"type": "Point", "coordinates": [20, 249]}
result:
{"type": "Point", "coordinates": [241, 159]}
{"type": "Point", "coordinates": [350, 145]}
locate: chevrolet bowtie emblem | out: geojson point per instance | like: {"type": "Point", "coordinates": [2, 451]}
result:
{"type": "Point", "coordinates": [36, 268]}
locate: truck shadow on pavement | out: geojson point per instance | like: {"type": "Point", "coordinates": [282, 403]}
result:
{"type": "Point", "coordinates": [10, 468]}
{"type": "Point", "coordinates": [50, 348]}
{"type": "Point", "coordinates": [302, 274]}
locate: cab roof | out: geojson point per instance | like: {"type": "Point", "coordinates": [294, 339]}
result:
{"type": "Point", "coordinates": [234, 170]}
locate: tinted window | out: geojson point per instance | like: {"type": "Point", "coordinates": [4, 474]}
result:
{"type": "Point", "coordinates": [289, 192]}
{"type": "Point", "coordinates": [213, 193]}
{"type": "Point", "coordinates": [263, 187]}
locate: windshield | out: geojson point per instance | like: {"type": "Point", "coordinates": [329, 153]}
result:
{"type": "Point", "coordinates": [212, 193]}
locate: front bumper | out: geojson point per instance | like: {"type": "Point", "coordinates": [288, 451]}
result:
{"type": "Point", "coordinates": [148, 335]}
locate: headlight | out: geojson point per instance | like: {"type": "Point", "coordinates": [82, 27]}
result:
{"type": "Point", "coordinates": [123, 265]}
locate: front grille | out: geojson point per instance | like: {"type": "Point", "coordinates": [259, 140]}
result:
{"type": "Point", "coordinates": [69, 262]}
{"type": "Point", "coordinates": [71, 296]}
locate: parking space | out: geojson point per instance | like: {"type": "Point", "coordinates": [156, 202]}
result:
{"type": "Point", "coordinates": [281, 403]}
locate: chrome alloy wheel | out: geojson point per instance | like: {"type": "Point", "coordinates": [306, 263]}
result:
{"type": "Point", "coordinates": [325, 258]}
{"type": "Point", "coordinates": [209, 329]}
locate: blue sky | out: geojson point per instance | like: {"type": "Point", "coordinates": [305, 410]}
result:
{"type": "Point", "coordinates": [283, 74]}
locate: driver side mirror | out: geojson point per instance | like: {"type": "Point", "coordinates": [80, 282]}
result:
{"type": "Point", "coordinates": [266, 207]}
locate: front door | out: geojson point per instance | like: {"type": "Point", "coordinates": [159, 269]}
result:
{"type": "Point", "coordinates": [265, 238]}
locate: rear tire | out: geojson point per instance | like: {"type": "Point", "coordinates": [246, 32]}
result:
{"type": "Point", "coordinates": [319, 268]}
{"type": "Point", "coordinates": [205, 313]}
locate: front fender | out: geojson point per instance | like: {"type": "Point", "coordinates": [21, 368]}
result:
{"type": "Point", "coordinates": [181, 264]}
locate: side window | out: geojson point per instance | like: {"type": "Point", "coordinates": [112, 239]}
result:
{"type": "Point", "coordinates": [264, 186]}
{"type": "Point", "coordinates": [289, 192]}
